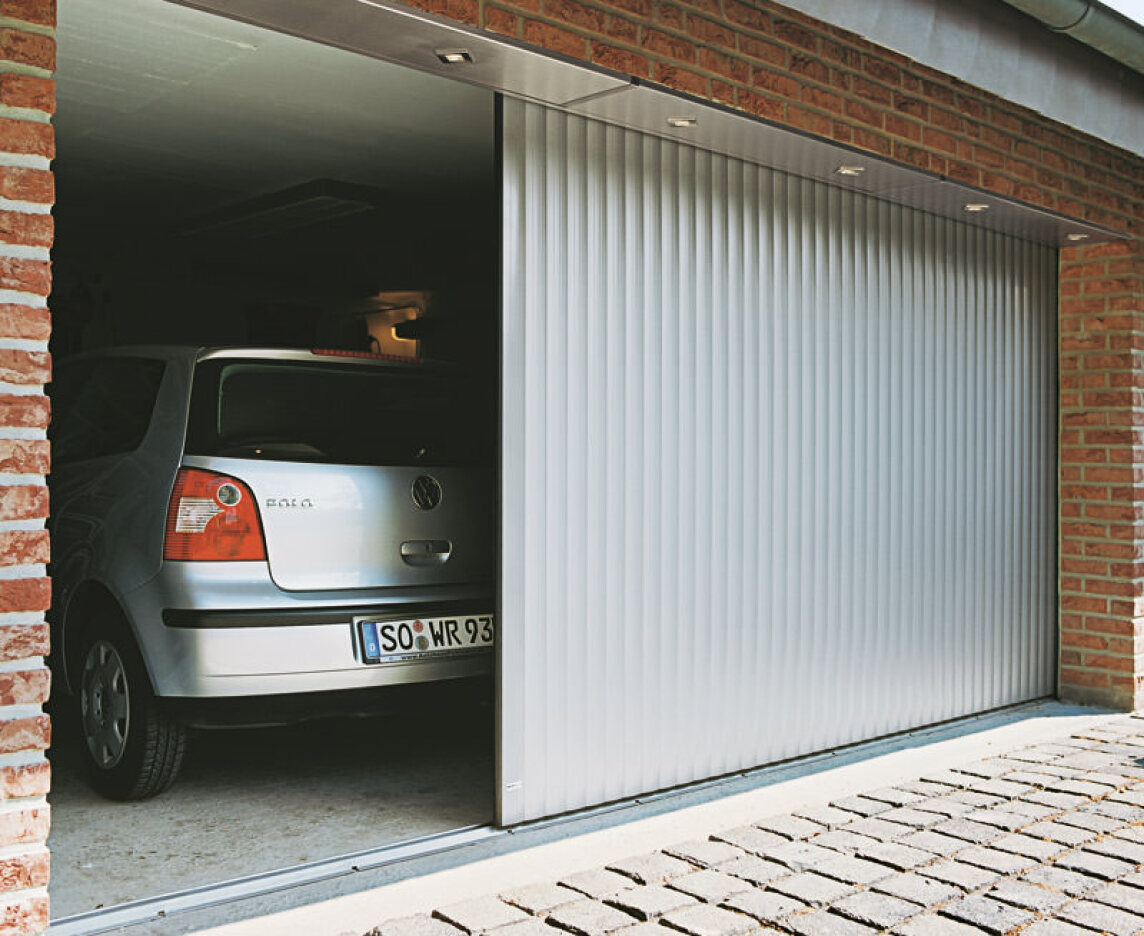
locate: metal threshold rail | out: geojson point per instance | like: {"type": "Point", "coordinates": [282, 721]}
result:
{"type": "Point", "coordinates": [257, 885]}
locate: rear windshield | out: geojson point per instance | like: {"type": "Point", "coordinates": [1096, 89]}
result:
{"type": "Point", "coordinates": [341, 414]}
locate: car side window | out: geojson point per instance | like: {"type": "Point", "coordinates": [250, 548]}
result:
{"type": "Point", "coordinates": [102, 407]}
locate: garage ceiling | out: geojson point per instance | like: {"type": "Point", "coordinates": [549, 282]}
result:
{"type": "Point", "coordinates": [165, 110]}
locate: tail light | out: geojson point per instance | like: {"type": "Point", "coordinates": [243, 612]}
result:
{"type": "Point", "coordinates": [212, 517]}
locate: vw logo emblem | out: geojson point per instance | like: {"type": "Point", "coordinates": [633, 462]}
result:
{"type": "Point", "coordinates": [426, 492]}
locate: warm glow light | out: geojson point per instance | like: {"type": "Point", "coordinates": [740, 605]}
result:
{"type": "Point", "coordinates": [682, 122]}
{"type": "Point", "coordinates": [850, 170]}
{"type": "Point", "coordinates": [976, 207]}
{"type": "Point", "coordinates": [454, 56]}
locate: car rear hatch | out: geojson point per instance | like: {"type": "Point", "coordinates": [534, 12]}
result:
{"type": "Point", "coordinates": [365, 475]}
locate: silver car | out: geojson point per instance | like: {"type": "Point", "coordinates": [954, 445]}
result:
{"type": "Point", "coordinates": [259, 523]}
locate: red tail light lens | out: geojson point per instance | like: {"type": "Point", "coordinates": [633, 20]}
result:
{"type": "Point", "coordinates": [212, 517]}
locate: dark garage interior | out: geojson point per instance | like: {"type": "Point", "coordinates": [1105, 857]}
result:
{"type": "Point", "coordinates": [221, 185]}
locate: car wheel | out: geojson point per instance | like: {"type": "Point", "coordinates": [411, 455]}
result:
{"type": "Point", "coordinates": [132, 747]}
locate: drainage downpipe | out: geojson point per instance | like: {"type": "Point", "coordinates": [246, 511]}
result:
{"type": "Point", "coordinates": [1093, 24]}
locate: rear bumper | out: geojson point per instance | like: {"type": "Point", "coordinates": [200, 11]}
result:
{"type": "Point", "coordinates": [218, 630]}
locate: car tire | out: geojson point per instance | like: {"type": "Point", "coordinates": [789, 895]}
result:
{"type": "Point", "coordinates": [130, 744]}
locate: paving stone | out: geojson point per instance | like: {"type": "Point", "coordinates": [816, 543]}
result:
{"type": "Point", "coordinates": [1102, 918]}
{"type": "Point", "coordinates": [480, 914]}
{"type": "Point", "coordinates": [598, 883]}
{"type": "Point", "coordinates": [951, 778]}
{"type": "Point", "coordinates": [706, 853]}
{"type": "Point", "coordinates": [1054, 928]}
{"type": "Point", "coordinates": [933, 842]}
{"type": "Point", "coordinates": [880, 910]}
{"type": "Point", "coordinates": [986, 768]}
{"type": "Point", "coordinates": [894, 795]}
{"type": "Point", "coordinates": [933, 925]}
{"type": "Point", "coordinates": [1134, 797]}
{"type": "Point", "coordinates": [1070, 882]}
{"type": "Point", "coordinates": [927, 788]}
{"type": "Point", "coordinates": [420, 925]}
{"type": "Point", "coordinates": [843, 841]}
{"type": "Point", "coordinates": [861, 805]}
{"type": "Point", "coordinates": [1118, 848]}
{"type": "Point", "coordinates": [1027, 845]}
{"type": "Point", "coordinates": [901, 857]}
{"type": "Point", "coordinates": [704, 920]}
{"type": "Point", "coordinates": [968, 877]}
{"type": "Point", "coordinates": [1056, 832]}
{"type": "Point", "coordinates": [962, 828]}
{"type": "Point", "coordinates": [638, 929]}
{"type": "Point", "coordinates": [1100, 866]}
{"type": "Point", "coordinates": [589, 918]}
{"type": "Point", "coordinates": [1121, 812]}
{"type": "Point", "coordinates": [1054, 799]}
{"type": "Point", "coordinates": [529, 927]}
{"type": "Point", "coordinates": [1029, 896]}
{"type": "Point", "coordinates": [918, 889]}
{"type": "Point", "coordinates": [749, 839]}
{"type": "Point", "coordinates": [908, 816]}
{"type": "Point", "coordinates": [852, 870]}
{"type": "Point", "coordinates": [1091, 760]}
{"type": "Point", "coordinates": [1026, 775]}
{"type": "Point", "coordinates": [709, 885]}
{"type": "Point", "coordinates": [791, 827]}
{"type": "Point", "coordinates": [1034, 811]}
{"type": "Point", "coordinates": [540, 898]}
{"type": "Point", "coordinates": [878, 828]}
{"type": "Point", "coordinates": [826, 816]}
{"type": "Point", "coordinates": [1085, 788]}
{"type": "Point", "coordinates": [990, 915]}
{"type": "Point", "coordinates": [811, 888]}
{"type": "Point", "coordinates": [1130, 834]}
{"type": "Point", "coordinates": [765, 906]}
{"type": "Point", "coordinates": [651, 868]}
{"type": "Point", "coordinates": [821, 923]}
{"type": "Point", "coordinates": [1000, 819]}
{"type": "Point", "coordinates": [753, 869]}
{"type": "Point", "coordinates": [977, 800]}
{"type": "Point", "coordinates": [651, 901]}
{"type": "Point", "coordinates": [1005, 788]}
{"type": "Point", "coordinates": [1129, 899]}
{"type": "Point", "coordinates": [800, 856]}
{"type": "Point", "coordinates": [995, 860]}
{"type": "Point", "coordinates": [946, 806]}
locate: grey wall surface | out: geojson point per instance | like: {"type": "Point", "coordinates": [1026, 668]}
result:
{"type": "Point", "coordinates": [778, 466]}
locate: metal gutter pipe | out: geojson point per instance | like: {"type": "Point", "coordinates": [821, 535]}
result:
{"type": "Point", "coordinates": [1093, 24]}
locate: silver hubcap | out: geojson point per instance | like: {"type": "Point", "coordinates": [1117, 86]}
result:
{"type": "Point", "coordinates": [104, 699]}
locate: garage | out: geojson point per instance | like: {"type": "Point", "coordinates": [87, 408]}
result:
{"type": "Point", "coordinates": [777, 419]}
{"type": "Point", "coordinates": [224, 185]}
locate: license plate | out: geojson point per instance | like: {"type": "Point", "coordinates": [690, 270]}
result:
{"type": "Point", "coordinates": [418, 638]}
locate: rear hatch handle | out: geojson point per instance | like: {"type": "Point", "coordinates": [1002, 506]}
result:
{"type": "Point", "coordinates": [426, 552]}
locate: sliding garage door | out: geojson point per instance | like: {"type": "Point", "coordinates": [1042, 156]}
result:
{"type": "Point", "coordinates": [778, 466]}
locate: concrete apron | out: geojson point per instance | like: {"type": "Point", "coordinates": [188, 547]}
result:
{"type": "Point", "coordinates": [781, 789]}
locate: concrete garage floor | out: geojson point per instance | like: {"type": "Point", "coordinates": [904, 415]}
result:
{"type": "Point", "coordinates": [253, 800]}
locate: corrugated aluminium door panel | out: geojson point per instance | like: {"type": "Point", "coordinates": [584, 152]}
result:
{"type": "Point", "coordinates": [778, 466]}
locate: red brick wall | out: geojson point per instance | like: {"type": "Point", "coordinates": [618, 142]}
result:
{"type": "Point", "coordinates": [1102, 474]}
{"type": "Point", "coordinates": [770, 61]}
{"type": "Point", "coordinates": [27, 60]}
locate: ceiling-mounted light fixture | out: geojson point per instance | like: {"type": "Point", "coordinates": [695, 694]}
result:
{"type": "Point", "coordinates": [454, 56]}
{"type": "Point", "coordinates": [977, 207]}
{"type": "Point", "coordinates": [680, 122]}
{"type": "Point", "coordinates": [850, 170]}
{"type": "Point", "coordinates": [1076, 236]}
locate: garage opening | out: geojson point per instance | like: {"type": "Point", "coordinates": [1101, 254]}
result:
{"type": "Point", "coordinates": [223, 186]}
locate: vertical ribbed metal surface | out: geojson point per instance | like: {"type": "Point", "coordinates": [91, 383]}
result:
{"type": "Point", "coordinates": [778, 466]}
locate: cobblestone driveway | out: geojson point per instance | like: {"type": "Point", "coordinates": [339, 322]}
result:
{"type": "Point", "coordinates": [1043, 841]}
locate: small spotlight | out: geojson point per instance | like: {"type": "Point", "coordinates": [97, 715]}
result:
{"type": "Point", "coordinates": [681, 122]}
{"type": "Point", "coordinates": [1077, 236]}
{"type": "Point", "coordinates": [850, 170]}
{"type": "Point", "coordinates": [977, 207]}
{"type": "Point", "coordinates": [454, 56]}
